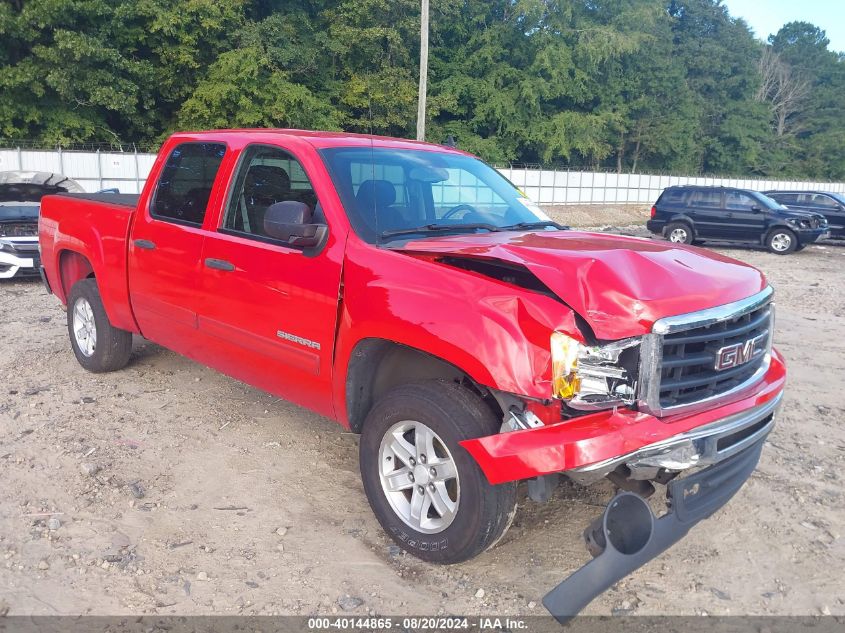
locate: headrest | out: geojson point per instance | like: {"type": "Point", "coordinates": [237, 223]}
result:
{"type": "Point", "coordinates": [375, 193]}
{"type": "Point", "coordinates": [267, 176]}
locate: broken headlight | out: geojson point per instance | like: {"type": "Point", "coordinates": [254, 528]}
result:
{"type": "Point", "coordinates": [594, 377]}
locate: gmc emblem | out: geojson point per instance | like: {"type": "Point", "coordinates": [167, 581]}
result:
{"type": "Point", "coordinates": [737, 354]}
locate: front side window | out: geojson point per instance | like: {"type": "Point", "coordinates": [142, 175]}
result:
{"type": "Point", "coordinates": [389, 191]}
{"type": "Point", "coordinates": [706, 199]}
{"type": "Point", "coordinates": [824, 202]}
{"type": "Point", "coordinates": [736, 201]}
{"type": "Point", "coordinates": [267, 176]}
{"type": "Point", "coordinates": [184, 186]}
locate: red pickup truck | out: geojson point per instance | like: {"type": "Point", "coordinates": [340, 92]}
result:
{"type": "Point", "coordinates": [411, 293]}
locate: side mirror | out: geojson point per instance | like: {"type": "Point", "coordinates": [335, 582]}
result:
{"type": "Point", "coordinates": [290, 222]}
{"type": "Point", "coordinates": [756, 209]}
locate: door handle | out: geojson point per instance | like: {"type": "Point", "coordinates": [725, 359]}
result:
{"type": "Point", "coordinates": [147, 245]}
{"type": "Point", "coordinates": [219, 264]}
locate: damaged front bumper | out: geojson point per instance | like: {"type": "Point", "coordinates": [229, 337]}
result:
{"type": "Point", "coordinates": [628, 535]}
{"type": "Point", "coordinates": [589, 446]}
{"type": "Point", "coordinates": [714, 451]}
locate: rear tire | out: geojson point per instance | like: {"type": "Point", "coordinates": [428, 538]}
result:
{"type": "Point", "coordinates": [679, 233]}
{"type": "Point", "coordinates": [781, 241]}
{"type": "Point", "coordinates": [98, 346]}
{"type": "Point", "coordinates": [438, 415]}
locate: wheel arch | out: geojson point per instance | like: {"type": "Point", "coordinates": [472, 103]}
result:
{"type": "Point", "coordinates": [73, 267]}
{"type": "Point", "coordinates": [685, 219]}
{"type": "Point", "coordinates": [775, 226]}
{"type": "Point", "coordinates": [378, 365]}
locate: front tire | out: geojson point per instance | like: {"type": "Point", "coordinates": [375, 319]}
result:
{"type": "Point", "coordinates": [679, 233]}
{"type": "Point", "coordinates": [98, 346]}
{"type": "Point", "coordinates": [426, 491]}
{"type": "Point", "coordinates": [781, 241]}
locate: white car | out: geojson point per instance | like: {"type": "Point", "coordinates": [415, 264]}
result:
{"type": "Point", "coordinates": [20, 201]}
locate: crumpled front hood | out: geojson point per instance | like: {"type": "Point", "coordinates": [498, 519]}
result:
{"type": "Point", "coordinates": [619, 285]}
{"type": "Point", "coordinates": [800, 215]}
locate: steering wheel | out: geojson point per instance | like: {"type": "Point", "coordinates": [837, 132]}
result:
{"type": "Point", "coordinates": [456, 209]}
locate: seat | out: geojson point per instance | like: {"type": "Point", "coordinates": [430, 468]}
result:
{"type": "Point", "coordinates": [375, 200]}
{"type": "Point", "coordinates": [264, 185]}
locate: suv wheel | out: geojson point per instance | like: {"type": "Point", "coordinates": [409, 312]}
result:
{"type": "Point", "coordinates": [679, 233]}
{"type": "Point", "coordinates": [781, 241]}
{"type": "Point", "coordinates": [426, 491]}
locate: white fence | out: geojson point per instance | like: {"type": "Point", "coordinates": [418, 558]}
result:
{"type": "Point", "coordinates": [127, 172]}
{"type": "Point", "coordinates": [580, 187]}
{"type": "Point", "coordinates": [93, 170]}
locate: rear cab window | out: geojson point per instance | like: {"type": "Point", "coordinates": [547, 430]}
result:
{"type": "Point", "coordinates": [185, 183]}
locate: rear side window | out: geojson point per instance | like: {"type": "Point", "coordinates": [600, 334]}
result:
{"type": "Point", "coordinates": [672, 196]}
{"type": "Point", "coordinates": [784, 198]}
{"type": "Point", "coordinates": [708, 199]}
{"type": "Point", "coordinates": [186, 181]}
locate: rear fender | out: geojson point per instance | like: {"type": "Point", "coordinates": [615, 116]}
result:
{"type": "Point", "coordinates": [80, 238]}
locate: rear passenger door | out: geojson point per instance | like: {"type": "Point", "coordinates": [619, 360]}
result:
{"type": "Point", "coordinates": [742, 221]}
{"type": "Point", "coordinates": [166, 244]}
{"type": "Point", "coordinates": [705, 208]}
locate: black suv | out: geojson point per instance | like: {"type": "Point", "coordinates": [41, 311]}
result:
{"type": "Point", "coordinates": [830, 205]}
{"type": "Point", "coordinates": [686, 214]}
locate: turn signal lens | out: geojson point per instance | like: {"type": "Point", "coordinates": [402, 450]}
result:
{"type": "Point", "coordinates": [566, 382]}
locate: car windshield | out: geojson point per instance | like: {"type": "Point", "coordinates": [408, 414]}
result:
{"type": "Point", "coordinates": [397, 193]}
{"type": "Point", "coordinates": [838, 197]}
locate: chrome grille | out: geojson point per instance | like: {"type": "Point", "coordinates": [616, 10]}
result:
{"type": "Point", "coordinates": [690, 361]}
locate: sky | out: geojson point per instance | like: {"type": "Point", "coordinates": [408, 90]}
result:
{"type": "Point", "coordinates": [765, 17]}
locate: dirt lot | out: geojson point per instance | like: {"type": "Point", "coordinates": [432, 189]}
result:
{"type": "Point", "coordinates": [168, 488]}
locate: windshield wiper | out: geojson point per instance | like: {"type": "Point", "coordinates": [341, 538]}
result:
{"type": "Point", "coordinates": [439, 228]}
{"type": "Point", "coordinates": [539, 224]}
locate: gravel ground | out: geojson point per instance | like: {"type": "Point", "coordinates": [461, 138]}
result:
{"type": "Point", "coordinates": [167, 488]}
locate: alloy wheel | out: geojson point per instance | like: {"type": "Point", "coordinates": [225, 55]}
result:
{"type": "Point", "coordinates": [84, 327]}
{"type": "Point", "coordinates": [419, 477]}
{"type": "Point", "coordinates": [679, 236]}
{"type": "Point", "coordinates": [781, 242]}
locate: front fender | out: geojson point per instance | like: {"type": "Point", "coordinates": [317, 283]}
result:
{"type": "Point", "coordinates": [495, 332]}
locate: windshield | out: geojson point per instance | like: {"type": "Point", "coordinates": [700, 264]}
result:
{"type": "Point", "coordinates": [838, 197]}
{"type": "Point", "coordinates": [388, 193]}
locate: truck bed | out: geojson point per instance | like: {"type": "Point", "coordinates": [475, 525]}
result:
{"type": "Point", "coordinates": [119, 199]}
{"type": "Point", "coordinates": [88, 233]}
